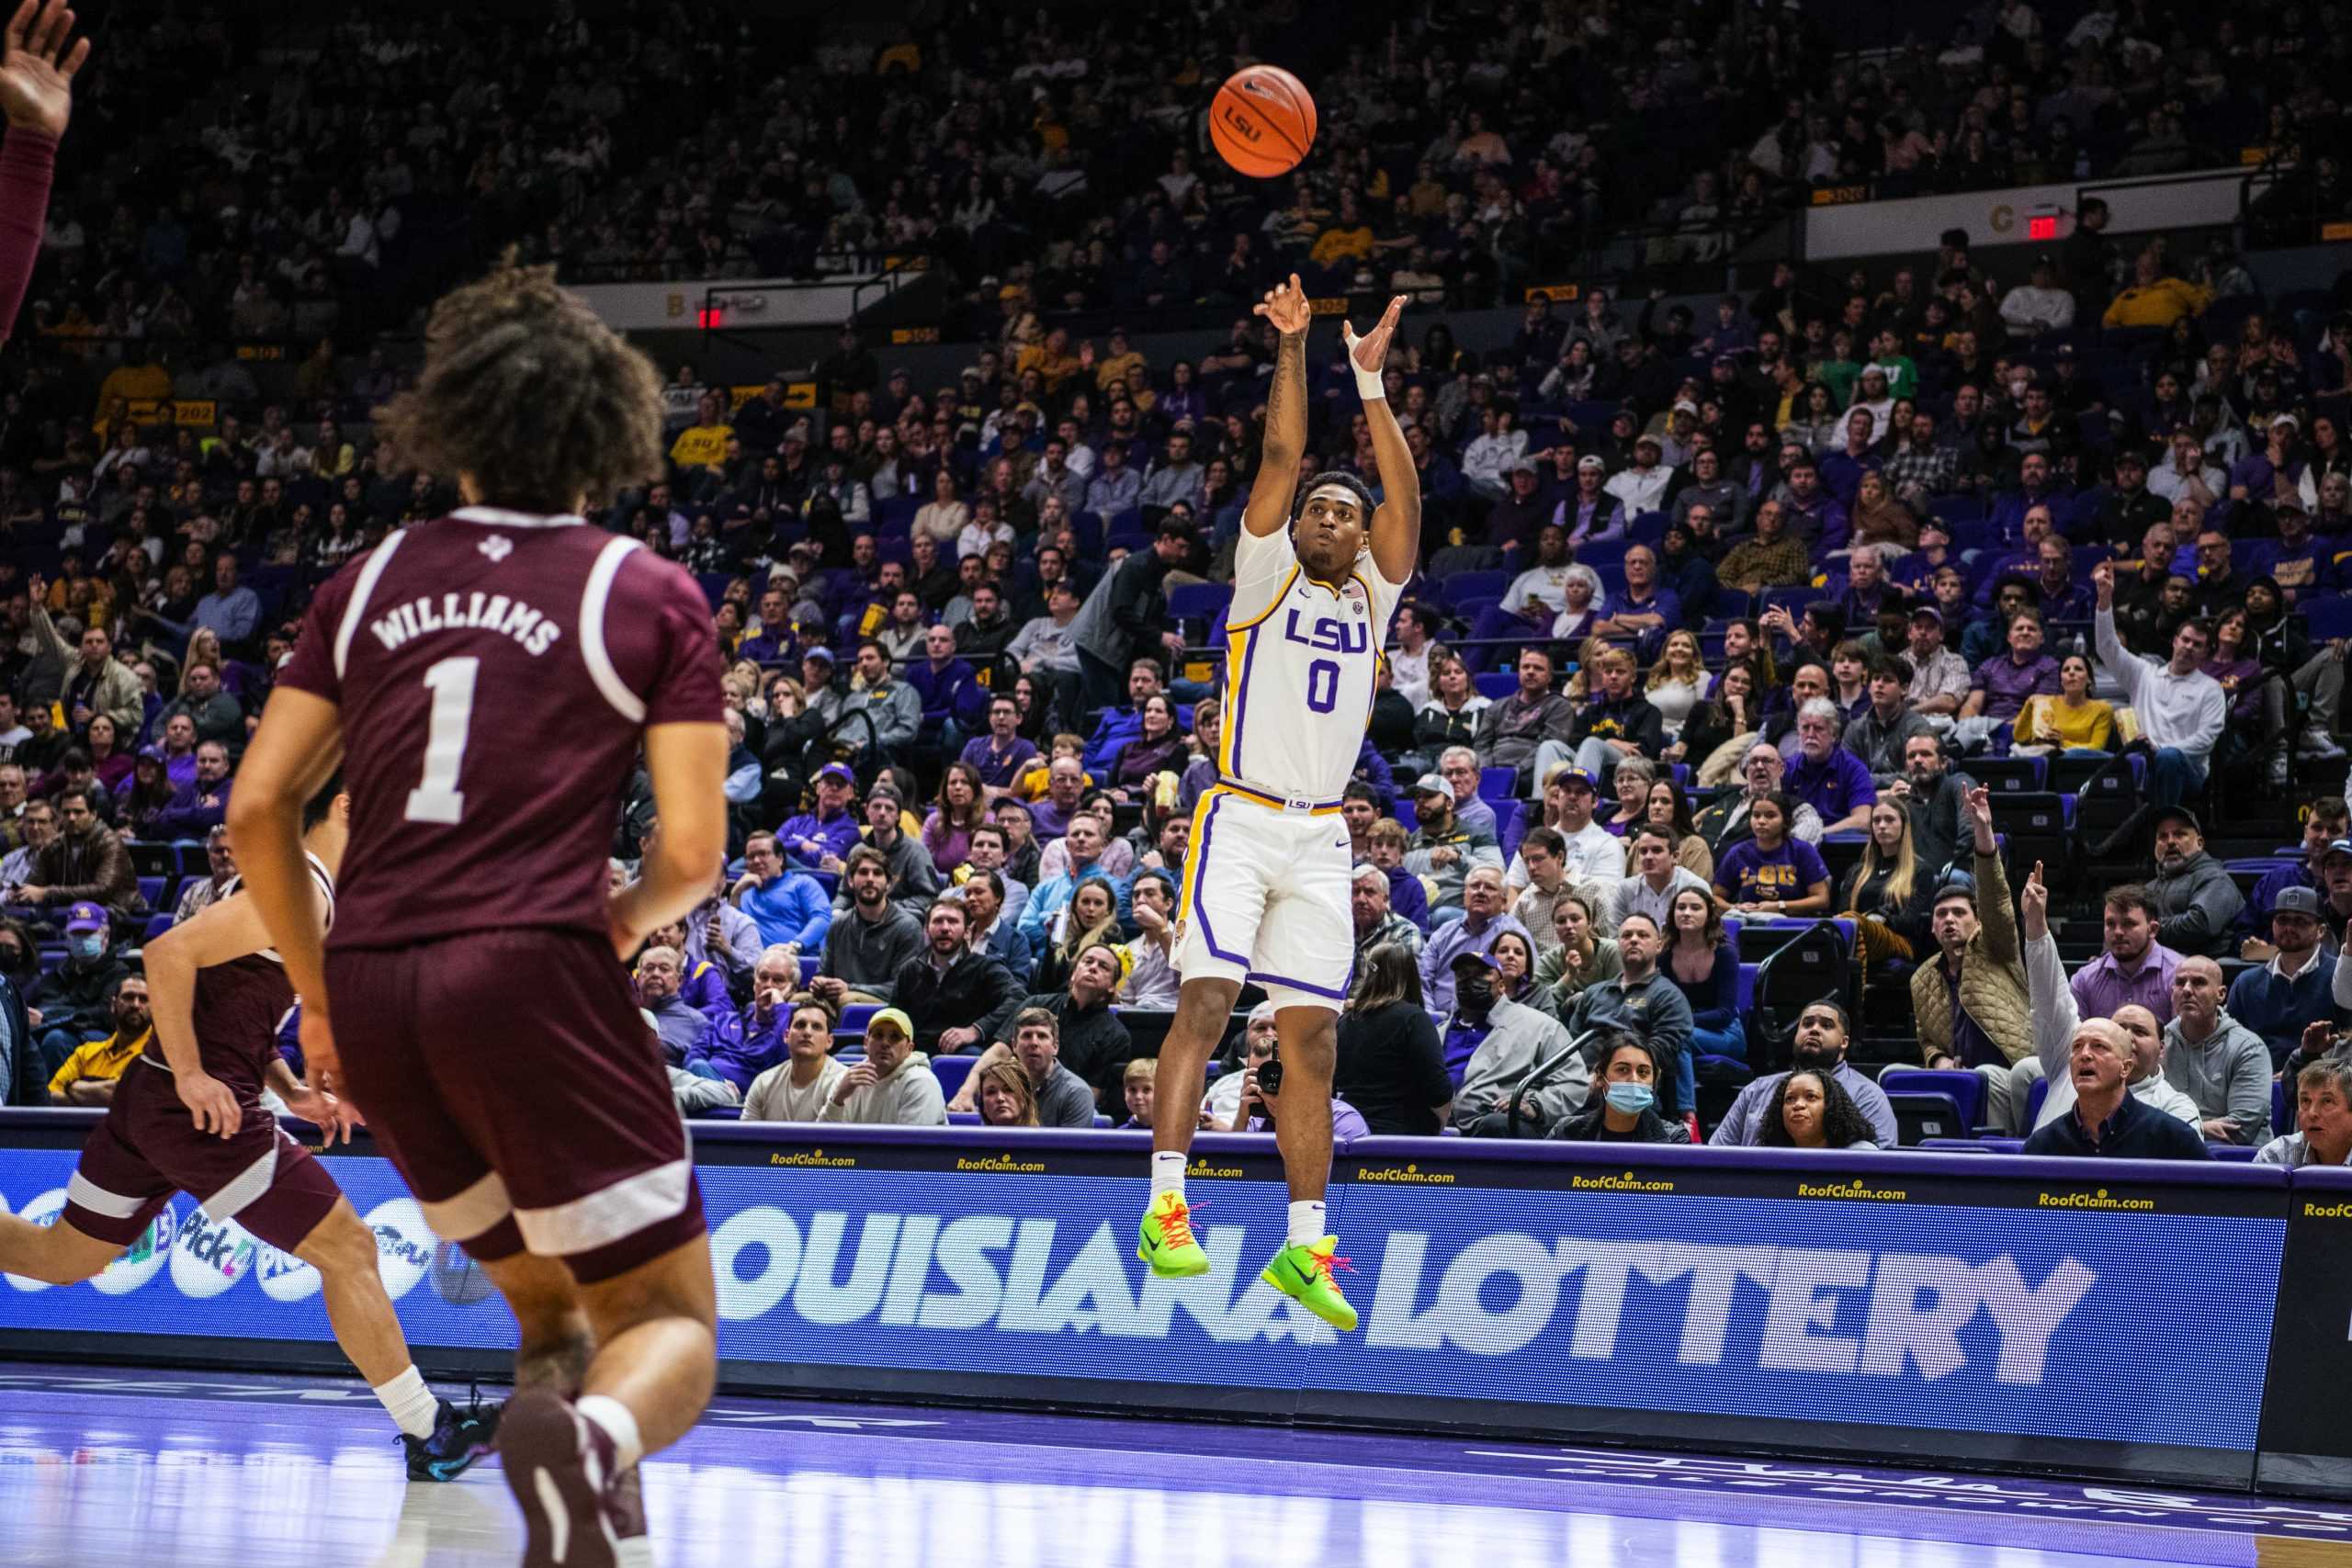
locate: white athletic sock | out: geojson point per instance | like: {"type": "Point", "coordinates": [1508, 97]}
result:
{"type": "Point", "coordinates": [412, 1407]}
{"type": "Point", "coordinates": [620, 1426]}
{"type": "Point", "coordinates": [1306, 1223]}
{"type": "Point", "coordinates": [1167, 1172]}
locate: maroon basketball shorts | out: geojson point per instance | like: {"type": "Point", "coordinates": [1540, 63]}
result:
{"type": "Point", "coordinates": [512, 1079]}
{"type": "Point", "coordinates": [148, 1148]}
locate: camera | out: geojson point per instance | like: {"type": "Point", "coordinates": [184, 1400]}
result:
{"type": "Point", "coordinates": [1270, 1074]}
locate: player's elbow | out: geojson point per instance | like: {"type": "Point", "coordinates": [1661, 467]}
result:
{"type": "Point", "coordinates": [692, 849]}
{"type": "Point", "coordinates": [253, 808]}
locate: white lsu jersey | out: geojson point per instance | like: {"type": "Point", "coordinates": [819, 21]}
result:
{"type": "Point", "coordinates": [1300, 672]}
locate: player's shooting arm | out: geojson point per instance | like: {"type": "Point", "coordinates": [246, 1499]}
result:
{"type": "Point", "coordinates": [1267, 512]}
{"type": "Point", "coordinates": [1397, 525]}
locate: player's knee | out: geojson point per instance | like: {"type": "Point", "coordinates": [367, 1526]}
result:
{"type": "Point", "coordinates": [341, 1246]}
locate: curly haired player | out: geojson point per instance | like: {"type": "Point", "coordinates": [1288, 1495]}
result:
{"type": "Point", "coordinates": [489, 680]}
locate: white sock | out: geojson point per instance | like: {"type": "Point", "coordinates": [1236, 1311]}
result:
{"type": "Point", "coordinates": [1306, 1223]}
{"type": "Point", "coordinates": [620, 1426]}
{"type": "Point", "coordinates": [1167, 1172]}
{"type": "Point", "coordinates": [412, 1407]}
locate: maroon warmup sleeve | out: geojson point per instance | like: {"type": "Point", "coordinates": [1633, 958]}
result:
{"type": "Point", "coordinates": [27, 160]}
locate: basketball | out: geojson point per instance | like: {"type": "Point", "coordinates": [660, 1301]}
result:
{"type": "Point", "coordinates": [1262, 121]}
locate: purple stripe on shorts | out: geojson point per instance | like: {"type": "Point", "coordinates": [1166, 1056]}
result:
{"type": "Point", "coordinates": [1241, 691]}
{"type": "Point", "coordinates": [1200, 876]}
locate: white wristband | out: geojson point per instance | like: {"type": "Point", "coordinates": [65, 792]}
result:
{"type": "Point", "coordinates": [1369, 385]}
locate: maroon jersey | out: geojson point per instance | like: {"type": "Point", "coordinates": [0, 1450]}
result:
{"type": "Point", "coordinates": [493, 671]}
{"type": "Point", "coordinates": [241, 1004]}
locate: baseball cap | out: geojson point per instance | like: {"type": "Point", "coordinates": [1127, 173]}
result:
{"type": "Point", "coordinates": [1483, 959]}
{"type": "Point", "coordinates": [1647, 439]}
{"type": "Point", "coordinates": [1592, 460]}
{"type": "Point", "coordinates": [885, 790]}
{"type": "Point", "coordinates": [2180, 813]}
{"type": "Point", "coordinates": [893, 1016]}
{"type": "Point", "coordinates": [2297, 901]}
{"type": "Point", "coordinates": [836, 770]}
{"type": "Point", "coordinates": [2340, 847]}
{"type": "Point", "coordinates": [1572, 775]}
{"type": "Point", "coordinates": [1929, 611]}
{"type": "Point", "coordinates": [1433, 784]}
{"type": "Point", "coordinates": [84, 917]}
{"type": "Point", "coordinates": [823, 655]}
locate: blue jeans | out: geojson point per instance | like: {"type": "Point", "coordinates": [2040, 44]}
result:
{"type": "Point", "coordinates": [1732, 1043]}
{"type": "Point", "coordinates": [2173, 777]}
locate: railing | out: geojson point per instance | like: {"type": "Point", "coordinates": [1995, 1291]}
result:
{"type": "Point", "coordinates": [1952, 1308]}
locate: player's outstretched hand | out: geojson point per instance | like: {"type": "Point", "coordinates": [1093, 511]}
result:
{"type": "Point", "coordinates": [209, 1100]}
{"type": "Point", "coordinates": [1285, 305]}
{"type": "Point", "coordinates": [320, 1062]}
{"type": "Point", "coordinates": [1370, 352]}
{"type": "Point", "coordinates": [37, 65]}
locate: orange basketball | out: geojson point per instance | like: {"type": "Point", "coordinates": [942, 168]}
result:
{"type": "Point", "coordinates": [1262, 121]}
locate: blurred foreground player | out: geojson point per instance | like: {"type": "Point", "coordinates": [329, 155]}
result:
{"type": "Point", "coordinates": [486, 680]}
{"type": "Point", "coordinates": [186, 1117]}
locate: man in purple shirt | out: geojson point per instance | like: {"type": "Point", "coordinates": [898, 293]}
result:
{"type": "Point", "coordinates": [1000, 756]}
{"type": "Point", "coordinates": [2034, 488]}
{"type": "Point", "coordinates": [822, 838]}
{"type": "Point", "coordinates": [1641, 607]}
{"type": "Point", "coordinates": [2136, 970]}
{"type": "Point", "coordinates": [1813, 513]}
{"type": "Point", "coordinates": [1827, 776]}
{"type": "Point", "coordinates": [2025, 561]}
{"type": "Point", "coordinates": [2004, 682]}
{"type": "Point", "coordinates": [2064, 598]}
{"type": "Point", "coordinates": [949, 688]}
{"type": "Point", "coordinates": [2300, 564]}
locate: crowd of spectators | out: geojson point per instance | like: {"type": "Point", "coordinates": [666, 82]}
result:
{"type": "Point", "coordinates": [350, 167]}
{"type": "Point", "coordinates": [1716, 613]}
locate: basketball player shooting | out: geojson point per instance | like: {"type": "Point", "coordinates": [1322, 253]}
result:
{"type": "Point", "coordinates": [1266, 896]}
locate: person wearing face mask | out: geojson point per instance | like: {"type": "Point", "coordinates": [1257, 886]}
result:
{"type": "Point", "coordinates": [1625, 1109]}
{"type": "Point", "coordinates": [1644, 1003]}
{"type": "Point", "coordinates": [2056, 1015]}
{"type": "Point", "coordinates": [1492, 1046]}
{"type": "Point", "coordinates": [74, 1001]}
{"type": "Point", "coordinates": [1823, 1033]}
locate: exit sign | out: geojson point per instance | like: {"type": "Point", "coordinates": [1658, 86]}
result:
{"type": "Point", "coordinates": [2042, 228]}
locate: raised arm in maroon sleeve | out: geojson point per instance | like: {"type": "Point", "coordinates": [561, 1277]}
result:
{"type": "Point", "coordinates": [38, 56]}
{"type": "Point", "coordinates": [26, 158]}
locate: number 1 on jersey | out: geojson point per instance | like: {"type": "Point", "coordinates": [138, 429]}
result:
{"type": "Point", "coordinates": [436, 798]}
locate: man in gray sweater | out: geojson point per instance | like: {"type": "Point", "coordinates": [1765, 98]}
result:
{"type": "Point", "coordinates": [2196, 902]}
{"type": "Point", "coordinates": [866, 946]}
{"type": "Point", "coordinates": [1517, 1039]}
{"type": "Point", "coordinates": [2215, 1060]}
{"type": "Point", "coordinates": [894, 1087]}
